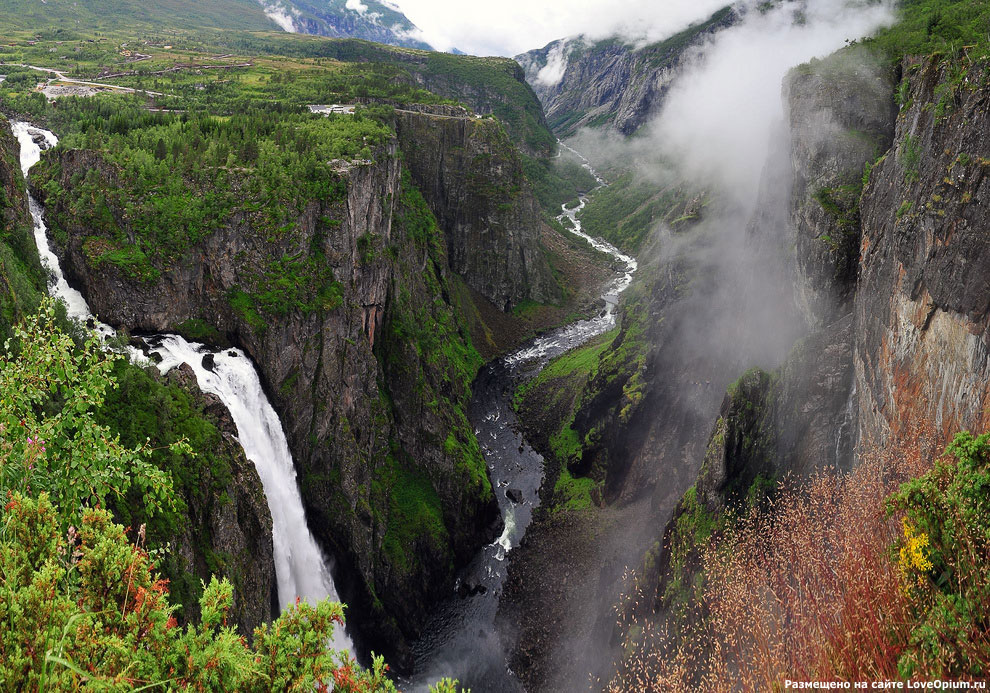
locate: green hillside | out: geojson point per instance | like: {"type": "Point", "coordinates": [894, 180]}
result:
{"type": "Point", "coordinates": [107, 15]}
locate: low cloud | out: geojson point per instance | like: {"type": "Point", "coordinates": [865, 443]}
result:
{"type": "Point", "coordinates": [356, 6]}
{"type": "Point", "coordinates": [718, 117]}
{"type": "Point", "coordinates": [278, 14]}
{"type": "Point", "coordinates": [511, 27]}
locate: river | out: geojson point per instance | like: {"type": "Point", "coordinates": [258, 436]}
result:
{"type": "Point", "coordinates": [460, 640]}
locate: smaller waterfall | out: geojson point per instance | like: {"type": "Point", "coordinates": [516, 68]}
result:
{"type": "Point", "coordinates": [33, 141]}
{"type": "Point", "coordinates": [300, 567]}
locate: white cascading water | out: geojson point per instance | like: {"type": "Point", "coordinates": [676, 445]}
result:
{"type": "Point", "coordinates": [300, 567]}
{"type": "Point", "coordinates": [28, 137]}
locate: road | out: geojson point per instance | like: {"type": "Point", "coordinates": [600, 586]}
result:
{"type": "Point", "coordinates": [60, 77]}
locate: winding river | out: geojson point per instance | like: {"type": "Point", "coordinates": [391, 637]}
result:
{"type": "Point", "coordinates": [301, 569]}
{"type": "Point", "coordinates": [461, 640]}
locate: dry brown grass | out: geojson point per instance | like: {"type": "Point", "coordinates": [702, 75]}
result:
{"type": "Point", "coordinates": [808, 591]}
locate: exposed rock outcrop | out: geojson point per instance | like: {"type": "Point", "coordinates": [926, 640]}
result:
{"type": "Point", "coordinates": [610, 83]}
{"type": "Point", "coordinates": [923, 301]}
{"type": "Point", "coordinates": [370, 381]}
{"type": "Point", "coordinates": [472, 178]}
{"type": "Point", "coordinates": [235, 525]}
{"type": "Point", "coordinates": [841, 117]}
{"type": "Point", "coordinates": [371, 21]}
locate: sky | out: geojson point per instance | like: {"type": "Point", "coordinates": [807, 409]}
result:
{"type": "Point", "coordinates": [510, 27]}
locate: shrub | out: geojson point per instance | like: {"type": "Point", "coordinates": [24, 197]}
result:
{"type": "Point", "coordinates": [846, 577]}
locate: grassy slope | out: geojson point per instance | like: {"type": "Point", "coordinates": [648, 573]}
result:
{"type": "Point", "coordinates": [105, 15]}
{"type": "Point", "coordinates": [549, 401]}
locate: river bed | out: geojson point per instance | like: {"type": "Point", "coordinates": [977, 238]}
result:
{"type": "Point", "coordinates": [460, 640]}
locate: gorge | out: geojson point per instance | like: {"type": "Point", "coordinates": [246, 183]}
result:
{"type": "Point", "coordinates": [534, 364]}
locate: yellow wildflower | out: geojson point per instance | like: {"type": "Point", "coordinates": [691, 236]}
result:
{"type": "Point", "coordinates": [914, 562]}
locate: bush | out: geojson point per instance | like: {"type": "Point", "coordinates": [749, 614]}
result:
{"type": "Point", "coordinates": [846, 577]}
{"type": "Point", "coordinates": [82, 606]}
{"type": "Point", "coordinates": [943, 560]}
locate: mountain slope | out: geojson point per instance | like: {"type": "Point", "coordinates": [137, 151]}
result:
{"type": "Point", "coordinates": [609, 83]}
{"type": "Point", "coordinates": [114, 14]}
{"type": "Point", "coordinates": [381, 22]}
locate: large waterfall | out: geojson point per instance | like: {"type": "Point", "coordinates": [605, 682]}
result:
{"type": "Point", "coordinates": [300, 567]}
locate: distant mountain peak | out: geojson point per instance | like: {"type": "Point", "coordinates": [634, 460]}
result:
{"type": "Point", "coordinates": [374, 20]}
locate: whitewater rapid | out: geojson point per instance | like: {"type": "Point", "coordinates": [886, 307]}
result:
{"type": "Point", "coordinates": [301, 569]}
{"type": "Point", "coordinates": [547, 347]}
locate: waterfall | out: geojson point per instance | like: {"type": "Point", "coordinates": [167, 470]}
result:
{"type": "Point", "coordinates": [300, 568]}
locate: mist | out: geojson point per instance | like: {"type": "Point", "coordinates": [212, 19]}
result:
{"type": "Point", "coordinates": [512, 27]}
{"type": "Point", "coordinates": [723, 296]}
{"type": "Point", "coordinates": [717, 119]}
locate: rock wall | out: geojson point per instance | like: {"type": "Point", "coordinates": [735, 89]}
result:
{"type": "Point", "coordinates": [472, 178]}
{"type": "Point", "coordinates": [236, 525]}
{"type": "Point", "coordinates": [370, 388]}
{"type": "Point", "coordinates": [923, 346]}
{"type": "Point", "coordinates": [238, 530]}
{"type": "Point", "coordinates": [841, 117]}
{"type": "Point", "coordinates": [610, 83]}
{"type": "Point", "coordinates": [22, 279]}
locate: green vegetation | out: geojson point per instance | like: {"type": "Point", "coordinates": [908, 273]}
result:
{"type": "Point", "coordinates": [49, 390]}
{"type": "Point", "coordinates": [144, 411]}
{"type": "Point", "coordinates": [910, 158]}
{"type": "Point", "coordinates": [429, 362]}
{"type": "Point", "coordinates": [625, 360]}
{"type": "Point", "coordinates": [94, 15]}
{"type": "Point", "coordinates": [550, 399]}
{"type": "Point", "coordinates": [942, 560]}
{"type": "Point", "coordinates": [83, 606]}
{"type": "Point", "coordinates": [841, 203]}
{"type": "Point", "coordinates": [177, 179]}
{"type": "Point", "coordinates": [557, 181]}
{"type": "Point", "coordinates": [22, 279]}
{"type": "Point", "coordinates": [694, 527]}
{"type": "Point", "coordinates": [944, 26]}
{"type": "Point", "coordinates": [627, 210]}
{"type": "Point", "coordinates": [500, 89]}
{"type": "Point", "coordinates": [414, 514]}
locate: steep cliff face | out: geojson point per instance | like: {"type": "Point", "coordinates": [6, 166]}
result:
{"type": "Point", "coordinates": [346, 318]}
{"type": "Point", "coordinates": [923, 347]}
{"type": "Point", "coordinates": [809, 422]}
{"type": "Point", "coordinates": [230, 532]}
{"type": "Point", "coordinates": [472, 178]}
{"type": "Point", "coordinates": [224, 525]}
{"type": "Point", "coordinates": [609, 83]}
{"type": "Point", "coordinates": [841, 117]}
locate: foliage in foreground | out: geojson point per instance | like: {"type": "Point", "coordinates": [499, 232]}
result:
{"type": "Point", "coordinates": [876, 575]}
{"type": "Point", "coordinates": [82, 607]}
